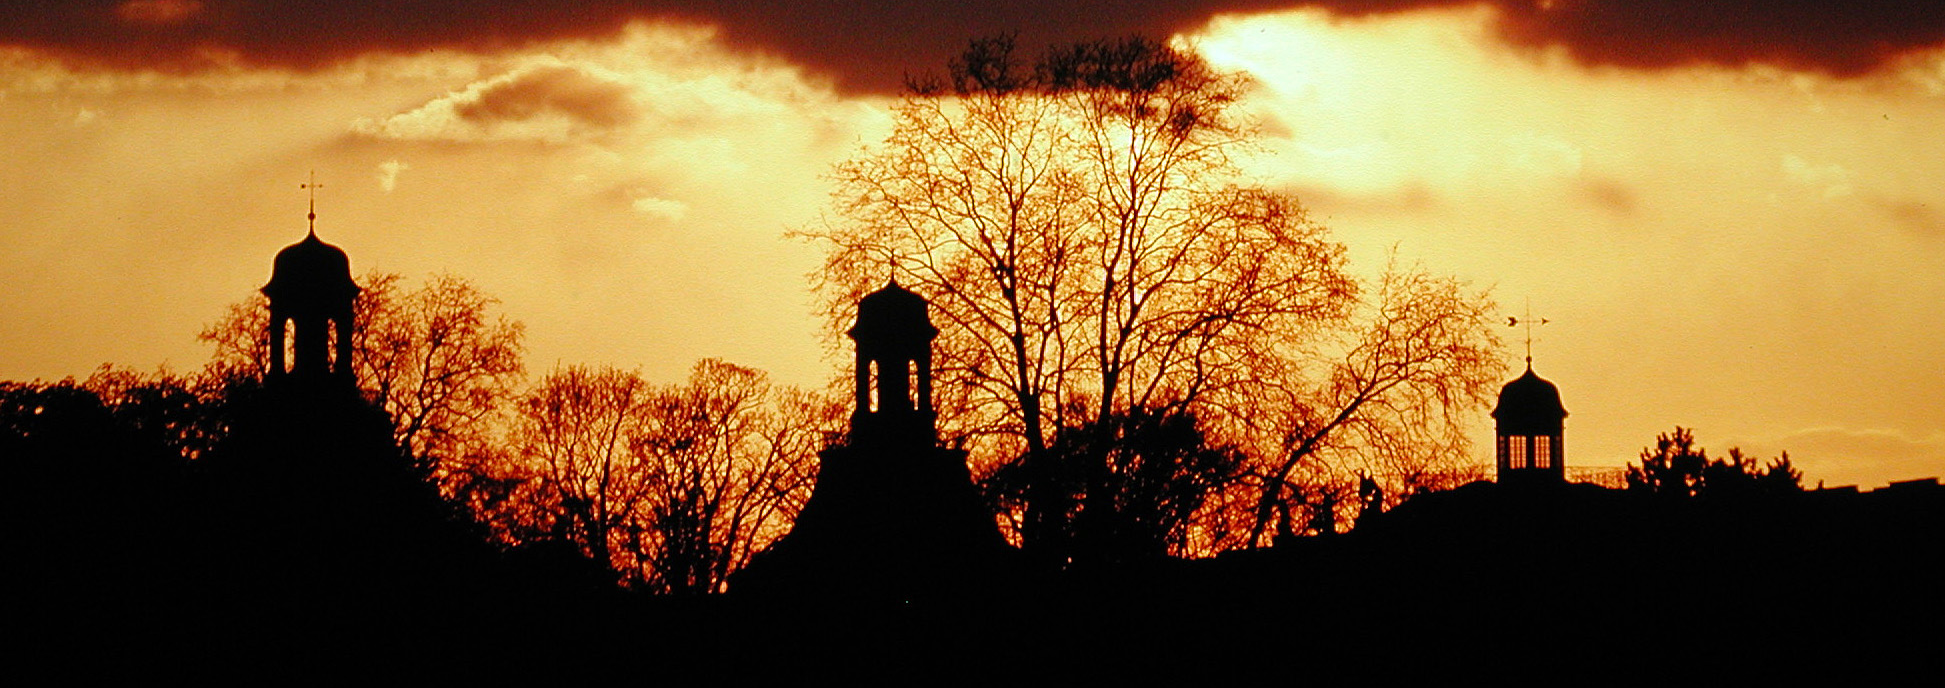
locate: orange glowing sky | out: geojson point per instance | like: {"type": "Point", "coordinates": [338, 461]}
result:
{"type": "Point", "coordinates": [1752, 248]}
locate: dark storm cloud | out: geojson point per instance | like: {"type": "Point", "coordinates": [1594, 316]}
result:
{"type": "Point", "coordinates": [872, 43]}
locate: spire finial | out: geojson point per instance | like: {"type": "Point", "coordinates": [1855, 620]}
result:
{"type": "Point", "coordinates": [1527, 320]}
{"type": "Point", "coordinates": [313, 187]}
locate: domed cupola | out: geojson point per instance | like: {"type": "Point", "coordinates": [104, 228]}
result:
{"type": "Point", "coordinates": [310, 286]}
{"type": "Point", "coordinates": [894, 336]}
{"type": "Point", "coordinates": [1529, 421]}
{"type": "Point", "coordinates": [311, 271]}
{"type": "Point", "coordinates": [893, 315]}
{"type": "Point", "coordinates": [1529, 405]}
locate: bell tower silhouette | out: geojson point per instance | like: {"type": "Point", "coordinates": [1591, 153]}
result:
{"type": "Point", "coordinates": [893, 337]}
{"type": "Point", "coordinates": [894, 515]}
{"type": "Point", "coordinates": [1529, 424]}
{"type": "Point", "coordinates": [311, 293]}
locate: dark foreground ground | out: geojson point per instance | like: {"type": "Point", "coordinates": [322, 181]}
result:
{"type": "Point", "coordinates": [1481, 581]}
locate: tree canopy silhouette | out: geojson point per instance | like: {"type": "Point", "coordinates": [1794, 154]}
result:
{"type": "Point", "coordinates": [1134, 483]}
{"type": "Point", "coordinates": [1677, 469]}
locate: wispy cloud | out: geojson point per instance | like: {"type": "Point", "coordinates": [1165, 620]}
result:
{"type": "Point", "coordinates": [549, 101]}
{"type": "Point", "coordinates": [1864, 457]}
{"type": "Point", "coordinates": [1832, 178]}
{"type": "Point", "coordinates": [661, 208]}
{"type": "Point", "coordinates": [388, 174]}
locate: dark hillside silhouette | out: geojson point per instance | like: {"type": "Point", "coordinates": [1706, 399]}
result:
{"type": "Point", "coordinates": [89, 507]}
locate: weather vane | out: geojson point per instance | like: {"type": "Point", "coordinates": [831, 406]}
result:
{"type": "Point", "coordinates": [313, 186]}
{"type": "Point", "coordinates": [1527, 320]}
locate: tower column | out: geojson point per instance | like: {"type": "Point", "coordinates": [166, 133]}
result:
{"type": "Point", "coordinates": [894, 343]}
{"type": "Point", "coordinates": [341, 361]}
{"type": "Point", "coordinates": [279, 322]}
{"type": "Point", "coordinates": [925, 382]}
{"type": "Point", "coordinates": [894, 516]}
{"type": "Point", "coordinates": [894, 384]}
{"type": "Point", "coordinates": [312, 345]}
{"type": "Point", "coordinates": [863, 385]}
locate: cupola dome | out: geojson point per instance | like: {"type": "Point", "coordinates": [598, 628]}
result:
{"type": "Point", "coordinates": [1529, 405]}
{"type": "Point", "coordinates": [311, 271]}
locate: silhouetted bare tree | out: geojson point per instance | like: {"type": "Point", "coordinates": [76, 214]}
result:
{"type": "Point", "coordinates": [1080, 241]}
{"type": "Point", "coordinates": [437, 358]}
{"type": "Point", "coordinates": [730, 459]}
{"type": "Point", "coordinates": [1083, 231]}
{"type": "Point", "coordinates": [1396, 402]}
{"type": "Point", "coordinates": [570, 438]}
{"type": "Point", "coordinates": [675, 486]}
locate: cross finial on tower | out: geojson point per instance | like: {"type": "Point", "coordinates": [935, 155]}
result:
{"type": "Point", "coordinates": [313, 186]}
{"type": "Point", "coordinates": [1527, 320]}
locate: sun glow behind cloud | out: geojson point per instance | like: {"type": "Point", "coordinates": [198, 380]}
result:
{"type": "Point", "coordinates": [1748, 251]}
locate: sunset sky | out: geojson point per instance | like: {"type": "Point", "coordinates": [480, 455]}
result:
{"type": "Point", "coordinates": [1733, 213]}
